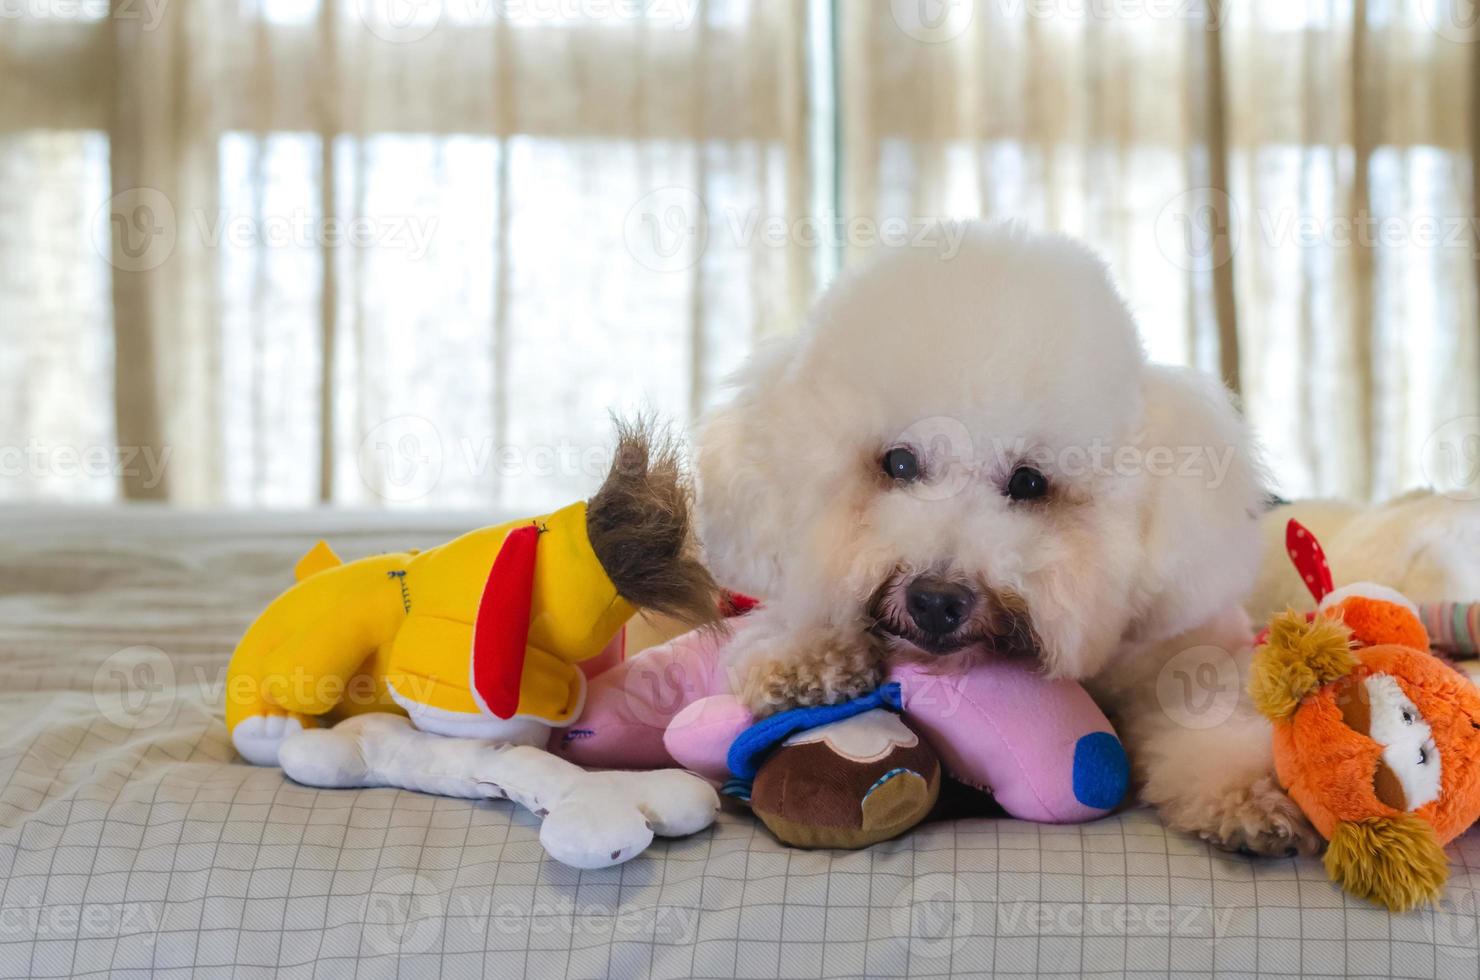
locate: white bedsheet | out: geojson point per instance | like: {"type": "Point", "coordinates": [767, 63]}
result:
{"type": "Point", "coordinates": [132, 840]}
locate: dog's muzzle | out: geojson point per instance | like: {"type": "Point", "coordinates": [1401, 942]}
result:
{"type": "Point", "coordinates": [935, 614]}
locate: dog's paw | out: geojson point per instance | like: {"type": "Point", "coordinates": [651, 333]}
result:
{"type": "Point", "coordinates": [830, 671]}
{"type": "Point", "coordinates": [1256, 818]}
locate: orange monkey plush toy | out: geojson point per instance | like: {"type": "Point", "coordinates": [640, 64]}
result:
{"type": "Point", "coordinates": [1375, 738]}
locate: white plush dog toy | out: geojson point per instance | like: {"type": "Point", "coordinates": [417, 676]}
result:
{"type": "Point", "coordinates": [591, 819]}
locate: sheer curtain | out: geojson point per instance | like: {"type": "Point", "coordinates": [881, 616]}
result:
{"type": "Point", "coordinates": [382, 251]}
{"type": "Point", "coordinates": [1285, 188]}
{"type": "Point", "coordinates": [409, 252]}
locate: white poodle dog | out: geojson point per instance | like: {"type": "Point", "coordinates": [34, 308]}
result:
{"type": "Point", "coordinates": [968, 455]}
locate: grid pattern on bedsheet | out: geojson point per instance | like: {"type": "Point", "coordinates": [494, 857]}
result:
{"type": "Point", "coordinates": [133, 841]}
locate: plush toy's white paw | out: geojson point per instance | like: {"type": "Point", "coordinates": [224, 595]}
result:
{"type": "Point", "coordinates": [258, 738]}
{"type": "Point", "coordinates": [591, 819]}
{"type": "Point", "coordinates": [585, 834]}
{"type": "Point", "coordinates": [675, 803]}
{"type": "Point", "coordinates": [610, 817]}
{"type": "Point", "coordinates": [328, 757]}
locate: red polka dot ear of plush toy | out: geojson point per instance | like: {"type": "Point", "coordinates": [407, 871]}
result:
{"type": "Point", "coordinates": [1375, 738]}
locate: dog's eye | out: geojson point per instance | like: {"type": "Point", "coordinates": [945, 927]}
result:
{"type": "Point", "coordinates": [1027, 484]}
{"type": "Point", "coordinates": [901, 464]}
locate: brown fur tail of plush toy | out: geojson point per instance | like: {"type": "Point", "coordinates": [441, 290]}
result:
{"type": "Point", "coordinates": [1394, 861]}
{"type": "Point", "coordinates": [640, 528]}
{"type": "Point", "coordinates": [1298, 657]}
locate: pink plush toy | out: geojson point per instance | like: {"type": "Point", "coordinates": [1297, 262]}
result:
{"type": "Point", "coordinates": [1041, 747]}
{"type": "Point", "coordinates": [829, 776]}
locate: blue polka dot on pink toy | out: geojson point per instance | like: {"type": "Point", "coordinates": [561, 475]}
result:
{"type": "Point", "coordinates": [1102, 773]}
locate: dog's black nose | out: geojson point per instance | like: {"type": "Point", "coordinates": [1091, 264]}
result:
{"type": "Point", "coordinates": [938, 608]}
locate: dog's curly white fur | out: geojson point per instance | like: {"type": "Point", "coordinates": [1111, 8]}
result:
{"type": "Point", "coordinates": [1132, 540]}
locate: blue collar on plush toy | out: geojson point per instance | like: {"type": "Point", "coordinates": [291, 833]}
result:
{"type": "Point", "coordinates": [751, 746]}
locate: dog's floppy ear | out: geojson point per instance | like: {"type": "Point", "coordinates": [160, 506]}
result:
{"type": "Point", "coordinates": [1200, 541]}
{"type": "Point", "coordinates": [743, 506]}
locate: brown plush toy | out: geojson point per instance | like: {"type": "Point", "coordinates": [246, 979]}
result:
{"type": "Point", "coordinates": [848, 784]}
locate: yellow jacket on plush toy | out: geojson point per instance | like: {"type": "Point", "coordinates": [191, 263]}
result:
{"type": "Point", "coordinates": [480, 637]}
